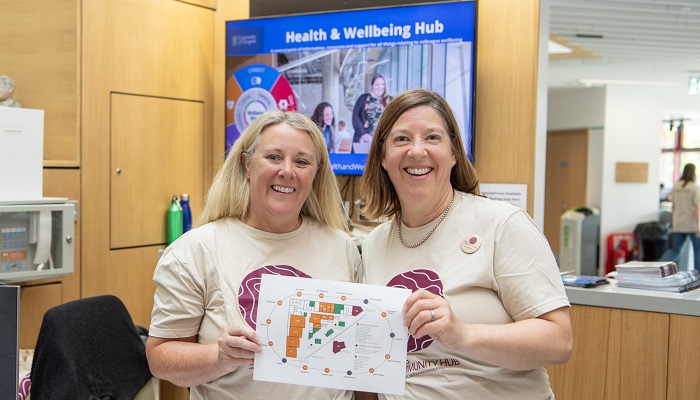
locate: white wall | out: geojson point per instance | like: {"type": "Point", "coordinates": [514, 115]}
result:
{"type": "Point", "coordinates": [632, 134]}
{"type": "Point", "coordinates": [576, 108]}
{"type": "Point", "coordinates": [677, 103]}
{"type": "Point", "coordinates": [624, 126]}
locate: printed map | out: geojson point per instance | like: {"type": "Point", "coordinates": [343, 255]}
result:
{"type": "Point", "coordinates": [331, 334]}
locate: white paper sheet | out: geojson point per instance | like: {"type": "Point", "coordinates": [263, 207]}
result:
{"type": "Point", "coordinates": [331, 334]}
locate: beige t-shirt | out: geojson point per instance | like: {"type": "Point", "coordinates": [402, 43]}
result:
{"type": "Point", "coordinates": [684, 200]}
{"type": "Point", "coordinates": [512, 276]}
{"type": "Point", "coordinates": [208, 280]}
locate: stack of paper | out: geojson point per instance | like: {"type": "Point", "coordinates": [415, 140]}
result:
{"type": "Point", "coordinates": [656, 275]}
{"type": "Point", "coordinates": [647, 268]}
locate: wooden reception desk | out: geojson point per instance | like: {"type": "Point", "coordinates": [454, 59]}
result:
{"type": "Point", "coordinates": [631, 344]}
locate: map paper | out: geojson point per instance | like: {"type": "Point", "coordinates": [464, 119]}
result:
{"type": "Point", "coordinates": [331, 334]}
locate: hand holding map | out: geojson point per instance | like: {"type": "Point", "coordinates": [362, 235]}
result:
{"type": "Point", "coordinates": [331, 334]}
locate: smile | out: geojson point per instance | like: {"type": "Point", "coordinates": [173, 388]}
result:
{"type": "Point", "coordinates": [418, 171]}
{"type": "Point", "coordinates": [282, 189]}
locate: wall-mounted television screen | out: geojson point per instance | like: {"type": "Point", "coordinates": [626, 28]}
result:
{"type": "Point", "coordinates": [343, 68]}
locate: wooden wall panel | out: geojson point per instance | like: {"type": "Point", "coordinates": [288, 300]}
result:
{"type": "Point", "coordinates": [159, 48]}
{"type": "Point", "coordinates": [226, 11]}
{"type": "Point", "coordinates": [506, 92]}
{"type": "Point", "coordinates": [618, 354]}
{"type": "Point", "coordinates": [683, 356]}
{"type": "Point", "coordinates": [644, 345]}
{"type": "Point", "coordinates": [34, 301]}
{"type": "Point", "coordinates": [204, 3]}
{"type": "Point", "coordinates": [39, 43]}
{"type": "Point", "coordinates": [591, 330]}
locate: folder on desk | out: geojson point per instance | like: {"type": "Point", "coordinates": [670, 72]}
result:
{"type": "Point", "coordinates": [583, 281]}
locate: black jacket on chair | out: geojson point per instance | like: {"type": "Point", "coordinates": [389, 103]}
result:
{"type": "Point", "coordinates": [89, 349]}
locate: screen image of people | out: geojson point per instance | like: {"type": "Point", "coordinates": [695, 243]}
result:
{"type": "Point", "coordinates": [358, 84]}
{"type": "Point", "coordinates": [353, 86]}
{"type": "Point", "coordinates": [338, 139]}
{"type": "Point", "coordinates": [352, 63]}
{"type": "Point", "coordinates": [368, 108]}
{"type": "Point", "coordinates": [325, 120]}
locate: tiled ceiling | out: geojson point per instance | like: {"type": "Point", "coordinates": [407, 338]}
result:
{"type": "Point", "coordinates": [641, 40]}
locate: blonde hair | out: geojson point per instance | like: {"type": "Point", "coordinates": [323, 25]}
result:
{"type": "Point", "coordinates": [376, 189]}
{"type": "Point", "coordinates": [229, 195]}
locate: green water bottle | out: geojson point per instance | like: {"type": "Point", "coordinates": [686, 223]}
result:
{"type": "Point", "coordinates": [174, 222]}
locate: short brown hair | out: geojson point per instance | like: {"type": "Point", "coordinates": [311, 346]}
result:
{"type": "Point", "coordinates": [376, 189]}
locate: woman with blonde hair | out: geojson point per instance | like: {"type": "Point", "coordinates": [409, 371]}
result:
{"type": "Point", "coordinates": [274, 208]}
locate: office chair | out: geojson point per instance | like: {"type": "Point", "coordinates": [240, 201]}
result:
{"type": "Point", "coordinates": [89, 349]}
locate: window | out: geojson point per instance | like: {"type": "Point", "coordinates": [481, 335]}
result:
{"type": "Point", "coordinates": [680, 145]}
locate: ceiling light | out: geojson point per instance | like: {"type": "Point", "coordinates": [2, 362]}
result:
{"type": "Point", "coordinates": [600, 82]}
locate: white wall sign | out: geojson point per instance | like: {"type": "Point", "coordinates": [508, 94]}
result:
{"type": "Point", "coordinates": [513, 193]}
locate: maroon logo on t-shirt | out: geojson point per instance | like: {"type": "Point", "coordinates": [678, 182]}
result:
{"type": "Point", "coordinates": [414, 280]}
{"type": "Point", "coordinates": [249, 291]}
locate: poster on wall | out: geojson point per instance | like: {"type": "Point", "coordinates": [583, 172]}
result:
{"type": "Point", "coordinates": [343, 68]}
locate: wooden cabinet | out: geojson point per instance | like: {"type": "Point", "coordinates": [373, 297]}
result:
{"type": "Point", "coordinates": [40, 52]}
{"type": "Point", "coordinates": [124, 84]}
{"type": "Point", "coordinates": [625, 354]}
{"type": "Point", "coordinates": [155, 141]}
{"type": "Point", "coordinates": [146, 109]}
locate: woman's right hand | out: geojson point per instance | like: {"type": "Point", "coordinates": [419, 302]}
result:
{"type": "Point", "coordinates": [430, 314]}
{"type": "Point", "coordinates": [238, 345]}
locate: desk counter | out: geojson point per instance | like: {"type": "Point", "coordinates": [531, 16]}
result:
{"type": "Point", "coordinates": [630, 344]}
{"type": "Point", "coordinates": [612, 296]}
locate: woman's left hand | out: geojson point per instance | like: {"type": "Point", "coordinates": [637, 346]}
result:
{"type": "Point", "coordinates": [430, 314]}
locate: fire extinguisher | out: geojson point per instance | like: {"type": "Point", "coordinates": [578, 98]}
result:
{"type": "Point", "coordinates": [621, 253]}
